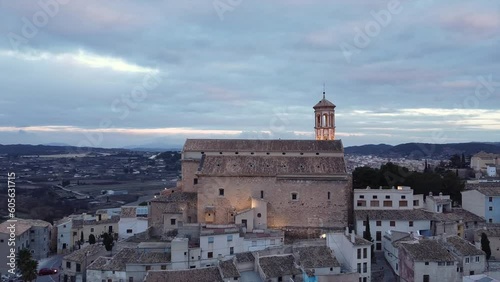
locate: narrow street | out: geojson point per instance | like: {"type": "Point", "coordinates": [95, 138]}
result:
{"type": "Point", "coordinates": [51, 262]}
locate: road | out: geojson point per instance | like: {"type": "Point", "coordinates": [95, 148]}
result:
{"type": "Point", "coordinates": [50, 262]}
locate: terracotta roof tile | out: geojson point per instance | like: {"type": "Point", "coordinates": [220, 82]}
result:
{"type": "Point", "coordinates": [426, 250]}
{"type": "Point", "coordinates": [209, 274]}
{"type": "Point", "coordinates": [280, 265]}
{"type": "Point", "coordinates": [316, 257]}
{"type": "Point", "coordinates": [272, 166]}
{"type": "Point", "coordinates": [228, 269]}
{"type": "Point", "coordinates": [217, 145]}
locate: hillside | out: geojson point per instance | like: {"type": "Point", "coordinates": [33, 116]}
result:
{"type": "Point", "coordinates": [24, 149]}
{"type": "Point", "coordinates": [423, 150]}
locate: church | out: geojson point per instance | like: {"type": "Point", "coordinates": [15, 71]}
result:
{"type": "Point", "coordinates": [276, 184]}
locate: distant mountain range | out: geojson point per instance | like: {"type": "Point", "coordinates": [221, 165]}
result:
{"type": "Point", "coordinates": [25, 149]}
{"type": "Point", "coordinates": [423, 150]}
{"type": "Point", "coordinates": [407, 150]}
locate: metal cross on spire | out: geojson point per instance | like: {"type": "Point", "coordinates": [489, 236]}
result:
{"type": "Point", "coordinates": [323, 90]}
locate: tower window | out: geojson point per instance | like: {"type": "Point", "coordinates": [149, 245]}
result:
{"type": "Point", "coordinates": [295, 196]}
{"type": "Point", "coordinates": [221, 192]}
{"type": "Point", "coordinates": [328, 195]}
{"type": "Point", "coordinates": [236, 153]}
{"type": "Point", "coordinates": [317, 154]}
{"type": "Point", "coordinates": [195, 181]}
{"type": "Point", "coordinates": [267, 153]}
{"type": "Point", "coordinates": [283, 153]}
{"type": "Point", "coordinates": [262, 194]}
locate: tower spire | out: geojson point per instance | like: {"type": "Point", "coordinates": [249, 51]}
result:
{"type": "Point", "coordinates": [323, 90]}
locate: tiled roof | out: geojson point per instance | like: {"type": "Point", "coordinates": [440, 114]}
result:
{"type": "Point", "coordinates": [489, 189]}
{"type": "Point", "coordinates": [128, 212]}
{"type": "Point", "coordinates": [20, 228]}
{"type": "Point", "coordinates": [280, 265]}
{"type": "Point", "coordinates": [153, 257]}
{"type": "Point", "coordinates": [316, 257]}
{"type": "Point", "coordinates": [463, 246]}
{"type": "Point", "coordinates": [22, 225]}
{"type": "Point", "coordinates": [228, 269]}
{"type": "Point", "coordinates": [90, 250]}
{"type": "Point", "coordinates": [324, 103]}
{"type": "Point", "coordinates": [78, 223]}
{"type": "Point", "coordinates": [99, 264]}
{"type": "Point", "coordinates": [272, 166]}
{"type": "Point", "coordinates": [358, 241]}
{"type": "Point", "coordinates": [242, 145]}
{"type": "Point", "coordinates": [483, 154]}
{"type": "Point", "coordinates": [490, 232]}
{"type": "Point", "coordinates": [245, 257]}
{"type": "Point", "coordinates": [96, 250]}
{"type": "Point", "coordinates": [458, 214]}
{"type": "Point", "coordinates": [177, 197]}
{"type": "Point", "coordinates": [426, 250]}
{"type": "Point", "coordinates": [127, 255]}
{"type": "Point", "coordinates": [209, 274]}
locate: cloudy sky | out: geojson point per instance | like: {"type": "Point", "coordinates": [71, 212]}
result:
{"type": "Point", "coordinates": [121, 73]}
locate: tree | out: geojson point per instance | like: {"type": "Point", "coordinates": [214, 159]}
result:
{"type": "Point", "coordinates": [107, 240]}
{"type": "Point", "coordinates": [91, 239]}
{"type": "Point", "coordinates": [456, 161]}
{"type": "Point", "coordinates": [485, 245]}
{"type": "Point", "coordinates": [27, 266]}
{"type": "Point", "coordinates": [368, 235]}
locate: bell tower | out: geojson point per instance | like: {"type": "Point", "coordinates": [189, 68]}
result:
{"type": "Point", "coordinates": [324, 113]}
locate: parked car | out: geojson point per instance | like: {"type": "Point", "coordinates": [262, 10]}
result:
{"type": "Point", "coordinates": [47, 271]}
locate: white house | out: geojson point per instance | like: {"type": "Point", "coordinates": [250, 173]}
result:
{"type": "Point", "coordinates": [391, 252]}
{"type": "Point", "coordinates": [127, 265]}
{"type": "Point", "coordinates": [64, 238]}
{"type": "Point", "coordinates": [483, 199]}
{"type": "Point", "coordinates": [471, 260]}
{"type": "Point", "coordinates": [316, 262]}
{"type": "Point", "coordinates": [218, 241]}
{"type": "Point", "coordinates": [426, 260]}
{"type": "Point", "coordinates": [416, 221]}
{"type": "Point", "coordinates": [262, 239]}
{"type": "Point", "coordinates": [390, 199]}
{"type": "Point", "coordinates": [353, 253]}
{"type": "Point", "coordinates": [438, 204]}
{"type": "Point", "coordinates": [278, 268]}
{"type": "Point", "coordinates": [133, 220]}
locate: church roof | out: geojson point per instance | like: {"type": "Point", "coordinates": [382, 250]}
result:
{"type": "Point", "coordinates": [254, 145]}
{"type": "Point", "coordinates": [272, 166]}
{"type": "Point", "coordinates": [324, 103]}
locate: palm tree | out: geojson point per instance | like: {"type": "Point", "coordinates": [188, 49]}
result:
{"type": "Point", "coordinates": [27, 266]}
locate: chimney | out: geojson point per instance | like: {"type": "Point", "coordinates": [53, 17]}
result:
{"type": "Point", "coordinates": [353, 237]}
{"type": "Point", "coordinates": [347, 231]}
